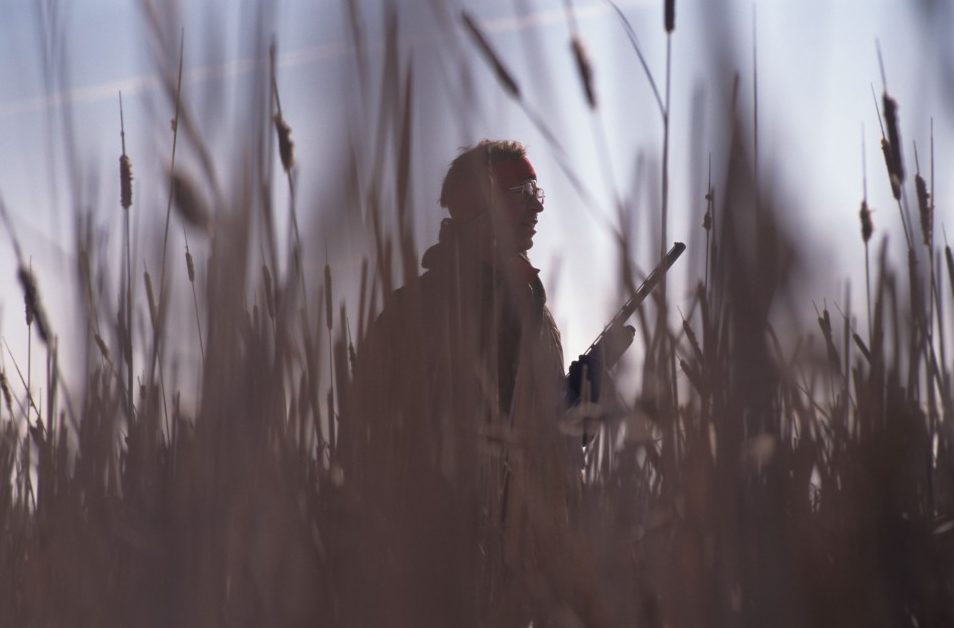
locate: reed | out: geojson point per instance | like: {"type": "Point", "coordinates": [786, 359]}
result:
{"type": "Point", "coordinates": [749, 473]}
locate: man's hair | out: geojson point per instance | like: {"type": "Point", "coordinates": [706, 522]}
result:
{"type": "Point", "coordinates": [471, 169]}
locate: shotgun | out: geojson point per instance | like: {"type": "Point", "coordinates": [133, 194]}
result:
{"type": "Point", "coordinates": [616, 337]}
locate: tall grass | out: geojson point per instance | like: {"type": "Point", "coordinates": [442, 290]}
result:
{"type": "Point", "coordinates": [766, 482]}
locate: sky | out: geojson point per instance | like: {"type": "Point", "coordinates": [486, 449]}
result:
{"type": "Point", "coordinates": [816, 61]}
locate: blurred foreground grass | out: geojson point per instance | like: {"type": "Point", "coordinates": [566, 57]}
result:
{"type": "Point", "coordinates": [753, 479]}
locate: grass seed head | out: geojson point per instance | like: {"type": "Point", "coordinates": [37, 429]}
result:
{"type": "Point", "coordinates": [286, 147]}
{"type": "Point", "coordinates": [125, 181]}
{"type": "Point", "coordinates": [867, 227]}
{"type": "Point", "coordinates": [190, 267]}
{"type": "Point", "coordinates": [670, 15]}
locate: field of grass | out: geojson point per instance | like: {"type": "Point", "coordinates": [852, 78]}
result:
{"type": "Point", "coordinates": [757, 477]}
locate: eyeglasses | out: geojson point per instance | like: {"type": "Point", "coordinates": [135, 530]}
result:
{"type": "Point", "coordinates": [530, 191]}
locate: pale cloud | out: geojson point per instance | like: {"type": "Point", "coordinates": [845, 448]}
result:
{"type": "Point", "coordinates": [305, 56]}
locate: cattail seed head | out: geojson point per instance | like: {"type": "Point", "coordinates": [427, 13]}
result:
{"type": "Point", "coordinates": [125, 181]}
{"type": "Point", "coordinates": [888, 153]}
{"type": "Point", "coordinates": [585, 70]}
{"type": "Point", "coordinates": [894, 134]}
{"type": "Point", "coordinates": [190, 267]}
{"type": "Point", "coordinates": [5, 387]}
{"type": "Point", "coordinates": [31, 300]}
{"type": "Point", "coordinates": [670, 15]}
{"type": "Point", "coordinates": [503, 75]}
{"type": "Point", "coordinates": [189, 202]}
{"type": "Point", "coordinates": [867, 227]}
{"type": "Point", "coordinates": [286, 147]}
{"type": "Point", "coordinates": [949, 258]}
{"type": "Point", "coordinates": [925, 209]}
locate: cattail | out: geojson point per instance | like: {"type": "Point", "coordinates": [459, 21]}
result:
{"type": "Point", "coordinates": [693, 340]}
{"type": "Point", "coordinates": [949, 258]}
{"type": "Point", "coordinates": [925, 208]}
{"type": "Point", "coordinates": [503, 75]}
{"type": "Point", "coordinates": [150, 296]}
{"type": "Point", "coordinates": [31, 300]}
{"type": "Point", "coordinates": [188, 201]}
{"type": "Point", "coordinates": [5, 387]}
{"type": "Point", "coordinates": [125, 181]}
{"type": "Point", "coordinates": [670, 15]}
{"type": "Point", "coordinates": [867, 227]}
{"type": "Point", "coordinates": [585, 70]}
{"type": "Point", "coordinates": [190, 267]}
{"type": "Point", "coordinates": [286, 147]}
{"type": "Point", "coordinates": [103, 349]}
{"type": "Point", "coordinates": [894, 134]}
{"type": "Point", "coordinates": [328, 297]}
{"type": "Point", "coordinates": [862, 347]}
{"type": "Point", "coordinates": [888, 153]}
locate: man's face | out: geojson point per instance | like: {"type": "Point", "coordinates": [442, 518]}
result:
{"type": "Point", "coordinates": [515, 215]}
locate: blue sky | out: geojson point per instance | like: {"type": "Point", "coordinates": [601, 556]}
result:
{"type": "Point", "coordinates": [816, 60]}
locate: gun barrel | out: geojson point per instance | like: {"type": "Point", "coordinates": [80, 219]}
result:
{"type": "Point", "coordinates": [642, 292]}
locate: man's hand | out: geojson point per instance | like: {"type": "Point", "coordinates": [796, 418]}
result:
{"type": "Point", "coordinates": [587, 374]}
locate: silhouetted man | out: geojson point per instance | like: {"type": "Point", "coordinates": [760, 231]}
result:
{"type": "Point", "coordinates": [458, 388]}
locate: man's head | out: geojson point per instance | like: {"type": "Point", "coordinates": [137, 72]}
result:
{"type": "Point", "coordinates": [491, 189]}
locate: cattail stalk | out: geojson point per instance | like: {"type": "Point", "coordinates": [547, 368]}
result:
{"type": "Point", "coordinates": [867, 226]}
{"type": "Point", "coordinates": [286, 152]}
{"type": "Point", "coordinates": [151, 300]}
{"type": "Point", "coordinates": [125, 200]}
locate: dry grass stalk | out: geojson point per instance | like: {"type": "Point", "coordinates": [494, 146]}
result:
{"type": "Point", "coordinates": [503, 75]}
{"type": "Point", "coordinates": [151, 299]}
{"type": "Point", "coordinates": [329, 298]}
{"type": "Point", "coordinates": [103, 349]}
{"type": "Point", "coordinates": [269, 292]}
